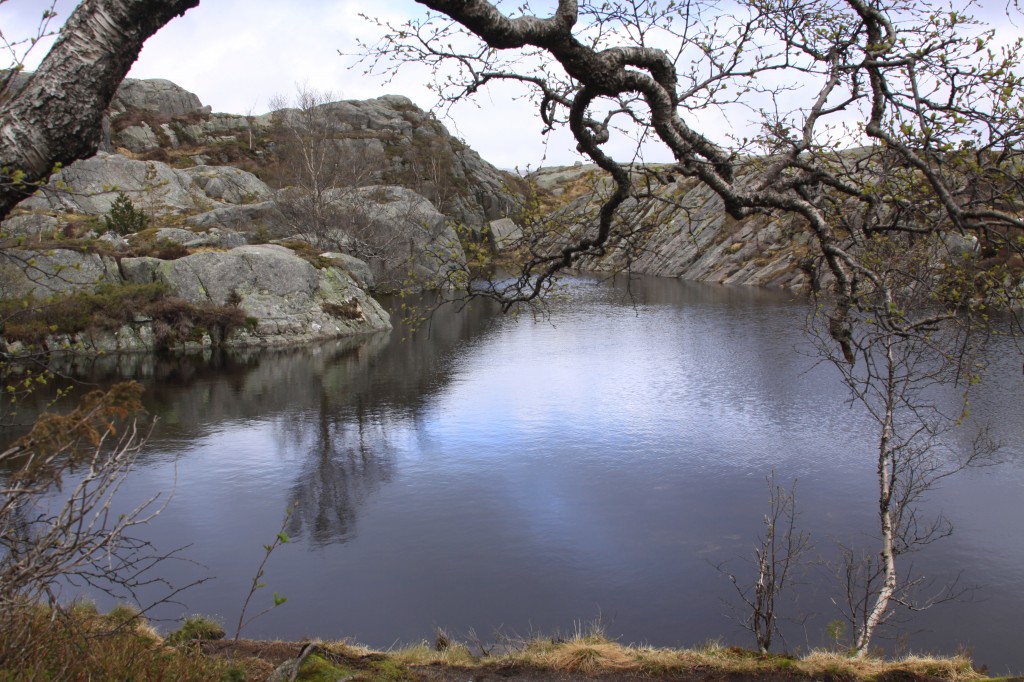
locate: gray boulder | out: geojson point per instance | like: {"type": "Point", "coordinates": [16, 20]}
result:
{"type": "Point", "coordinates": [176, 235]}
{"type": "Point", "coordinates": [263, 217]}
{"type": "Point", "coordinates": [400, 235]}
{"type": "Point", "coordinates": [214, 237]}
{"type": "Point", "coordinates": [557, 179]}
{"type": "Point", "coordinates": [229, 185]}
{"type": "Point", "coordinates": [291, 300]}
{"type": "Point", "coordinates": [357, 269]}
{"type": "Point", "coordinates": [141, 270]}
{"type": "Point", "coordinates": [42, 274]}
{"type": "Point", "coordinates": [28, 225]}
{"type": "Point", "coordinates": [139, 139]}
{"type": "Point", "coordinates": [90, 186]}
{"type": "Point", "coordinates": [504, 233]}
{"type": "Point", "coordinates": [155, 95]}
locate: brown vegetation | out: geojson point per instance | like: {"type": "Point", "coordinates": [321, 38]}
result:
{"type": "Point", "coordinates": [112, 306]}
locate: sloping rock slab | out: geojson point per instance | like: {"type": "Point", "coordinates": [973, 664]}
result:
{"type": "Point", "coordinates": [90, 186]}
{"type": "Point", "coordinates": [290, 299]}
{"type": "Point", "coordinates": [42, 274]}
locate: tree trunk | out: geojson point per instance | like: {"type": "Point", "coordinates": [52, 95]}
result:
{"type": "Point", "coordinates": [886, 465]}
{"type": "Point", "coordinates": [56, 117]}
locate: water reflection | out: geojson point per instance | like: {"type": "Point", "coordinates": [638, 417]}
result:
{"type": "Point", "coordinates": [487, 471]}
{"type": "Point", "coordinates": [348, 460]}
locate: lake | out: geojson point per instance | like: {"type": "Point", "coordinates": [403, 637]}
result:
{"type": "Point", "coordinates": [518, 475]}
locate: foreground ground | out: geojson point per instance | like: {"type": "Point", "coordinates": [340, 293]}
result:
{"type": "Point", "coordinates": [581, 658]}
{"type": "Point", "coordinates": [37, 643]}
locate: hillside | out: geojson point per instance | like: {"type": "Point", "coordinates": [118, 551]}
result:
{"type": "Point", "coordinates": [392, 141]}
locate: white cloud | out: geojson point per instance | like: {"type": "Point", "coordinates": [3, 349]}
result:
{"type": "Point", "coordinates": [237, 54]}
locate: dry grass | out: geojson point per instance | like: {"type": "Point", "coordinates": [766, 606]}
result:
{"type": "Point", "coordinates": [590, 654]}
{"type": "Point", "coordinates": [955, 668]}
{"type": "Point", "coordinates": [455, 655]}
{"type": "Point", "coordinates": [587, 658]}
{"type": "Point", "coordinates": [80, 644]}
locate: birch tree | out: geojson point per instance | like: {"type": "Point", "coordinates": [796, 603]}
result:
{"type": "Point", "coordinates": [333, 198]}
{"type": "Point", "coordinates": [778, 556]}
{"type": "Point", "coordinates": [902, 376]}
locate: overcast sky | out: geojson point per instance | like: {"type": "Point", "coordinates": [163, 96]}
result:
{"type": "Point", "coordinates": [237, 54]}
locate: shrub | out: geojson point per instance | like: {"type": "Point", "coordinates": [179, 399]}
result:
{"type": "Point", "coordinates": [348, 310]}
{"type": "Point", "coordinates": [123, 615]}
{"type": "Point", "coordinates": [107, 308]}
{"type": "Point", "coordinates": [123, 217]}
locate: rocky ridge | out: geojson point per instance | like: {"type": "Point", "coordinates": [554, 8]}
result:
{"type": "Point", "coordinates": [285, 299]}
{"type": "Point", "coordinates": [213, 188]}
{"type": "Point", "coordinates": [690, 237]}
{"type": "Point", "coordinates": [402, 144]}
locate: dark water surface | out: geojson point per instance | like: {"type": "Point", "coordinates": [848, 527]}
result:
{"type": "Point", "coordinates": [523, 475]}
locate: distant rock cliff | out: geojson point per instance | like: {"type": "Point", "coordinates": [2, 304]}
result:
{"type": "Point", "coordinates": [688, 235]}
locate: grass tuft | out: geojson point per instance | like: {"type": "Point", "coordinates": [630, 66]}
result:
{"type": "Point", "coordinates": [587, 658]}
{"type": "Point", "coordinates": [41, 644]}
{"type": "Point", "coordinates": [196, 628]}
{"type": "Point", "coordinates": [318, 669]}
{"type": "Point", "coordinates": [455, 655]}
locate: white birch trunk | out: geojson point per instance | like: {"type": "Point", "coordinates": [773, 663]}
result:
{"type": "Point", "coordinates": [885, 512]}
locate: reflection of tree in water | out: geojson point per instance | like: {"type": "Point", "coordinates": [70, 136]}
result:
{"type": "Point", "coordinates": [355, 405]}
{"type": "Point", "coordinates": [350, 458]}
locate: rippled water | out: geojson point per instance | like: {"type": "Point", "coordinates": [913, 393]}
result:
{"type": "Point", "coordinates": [517, 474]}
